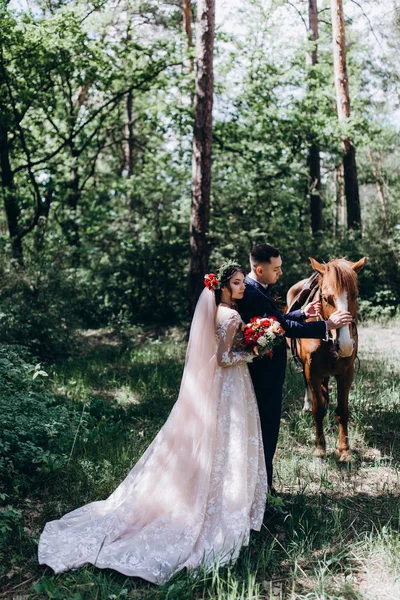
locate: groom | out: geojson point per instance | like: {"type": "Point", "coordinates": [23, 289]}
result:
{"type": "Point", "coordinates": [268, 374]}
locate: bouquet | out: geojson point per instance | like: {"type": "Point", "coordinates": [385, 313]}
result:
{"type": "Point", "coordinates": [263, 334]}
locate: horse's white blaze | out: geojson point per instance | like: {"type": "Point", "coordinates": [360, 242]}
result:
{"type": "Point", "coordinates": [345, 342]}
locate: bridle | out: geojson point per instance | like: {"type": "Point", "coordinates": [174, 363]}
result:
{"type": "Point", "coordinates": [353, 330]}
{"type": "Point", "coordinates": [313, 287]}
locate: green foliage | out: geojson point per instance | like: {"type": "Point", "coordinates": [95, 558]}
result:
{"type": "Point", "coordinates": [37, 429]}
{"type": "Point", "coordinates": [10, 523]}
{"type": "Point", "coordinates": [48, 589]}
{"type": "Point", "coordinates": [139, 281]}
{"type": "Point", "coordinates": [341, 535]}
{"type": "Point", "coordinates": [39, 307]}
{"type": "Point", "coordinates": [106, 242]}
{"type": "Point", "coordinates": [9, 520]}
{"type": "Point", "coordinates": [81, 92]}
{"type": "Point", "coordinates": [381, 307]}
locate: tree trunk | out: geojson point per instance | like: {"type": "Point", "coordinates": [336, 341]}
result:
{"type": "Point", "coordinates": [187, 23]}
{"type": "Point", "coordinates": [10, 199]}
{"type": "Point", "coordinates": [377, 173]}
{"type": "Point", "coordinates": [340, 205]}
{"type": "Point", "coordinates": [70, 226]}
{"type": "Point", "coordinates": [129, 137]}
{"type": "Point", "coordinates": [343, 108]}
{"type": "Point", "coordinates": [314, 160]}
{"type": "Point", "coordinates": [313, 34]}
{"type": "Point", "coordinates": [202, 146]}
{"type": "Point", "coordinates": [314, 170]}
{"type": "Point", "coordinates": [40, 230]}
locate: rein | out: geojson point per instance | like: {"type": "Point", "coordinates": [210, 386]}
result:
{"type": "Point", "coordinates": [308, 293]}
{"type": "Point", "coordinates": [354, 332]}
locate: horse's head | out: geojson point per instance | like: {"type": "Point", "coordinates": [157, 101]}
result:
{"type": "Point", "coordinates": [339, 291]}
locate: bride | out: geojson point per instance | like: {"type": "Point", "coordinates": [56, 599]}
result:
{"type": "Point", "coordinates": [200, 487]}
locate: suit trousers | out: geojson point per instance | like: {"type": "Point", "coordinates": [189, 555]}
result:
{"type": "Point", "coordinates": [269, 399]}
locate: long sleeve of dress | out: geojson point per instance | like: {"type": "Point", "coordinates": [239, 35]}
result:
{"type": "Point", "coordinates": [227, 354]}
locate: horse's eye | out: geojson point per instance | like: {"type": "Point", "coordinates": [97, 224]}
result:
{"type": "Point", "coordinates": [329, 300]}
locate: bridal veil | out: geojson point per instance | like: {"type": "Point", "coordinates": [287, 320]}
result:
{"type": "Point", "coordinates": [150, 524]}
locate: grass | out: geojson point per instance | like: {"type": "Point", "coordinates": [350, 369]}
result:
{"type": "Point", "coordinates": [341, 538]}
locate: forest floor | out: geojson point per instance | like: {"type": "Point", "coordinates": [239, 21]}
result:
{"type": "Point", "coordinates": [340, 539]}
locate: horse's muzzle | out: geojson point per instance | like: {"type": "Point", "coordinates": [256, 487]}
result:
{"type": "Point", "coordinates": [345, 349]}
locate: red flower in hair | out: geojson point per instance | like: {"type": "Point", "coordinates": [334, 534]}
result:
{"type": "Point", "coordinates": [211, 281]}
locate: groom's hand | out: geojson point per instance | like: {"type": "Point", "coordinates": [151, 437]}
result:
{"type": "Point", "coordinates": [313, 309]}
{"type": "Point", "coordinates": [339, 319]}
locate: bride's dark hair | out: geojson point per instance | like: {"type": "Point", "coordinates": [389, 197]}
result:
{"type": "Point", "coordinates": [225, 274]}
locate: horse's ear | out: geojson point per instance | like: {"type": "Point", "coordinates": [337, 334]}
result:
{"type": "Point", "coordinates": [317, 266]}
{"type": "Point", "coordinates": [357, 266]}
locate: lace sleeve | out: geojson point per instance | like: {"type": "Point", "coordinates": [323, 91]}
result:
{"type": "Point", "coordinates": [226, 356]}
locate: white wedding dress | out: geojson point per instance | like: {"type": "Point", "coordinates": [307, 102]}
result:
{"type": "Point", "coordinates": [201, 485]}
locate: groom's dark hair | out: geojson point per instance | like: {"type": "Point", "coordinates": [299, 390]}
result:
{"type": "Point", "coordinates": [262, 253]}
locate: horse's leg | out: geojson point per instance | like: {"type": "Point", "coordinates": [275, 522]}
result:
{"type": "Point", "coordinates": [325, 390]}
{"type": "Point", "coordinates": [342, 412]}
{"type": "Point", "coordinates": [319, 407]}
{"type": "Point", "coordinates": [307, 407]}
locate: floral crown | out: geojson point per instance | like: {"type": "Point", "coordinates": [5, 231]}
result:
{"type": "Point", "coordinates": [214, 281]}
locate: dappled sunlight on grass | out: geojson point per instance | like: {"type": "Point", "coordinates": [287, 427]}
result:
{"type": "Point", "coordinates": [129, 373]}
{"type": "Point", "coordinates": [333, 505]}
{"type": "Point", "coordinates": [381, 342]}
{"type": "Point", "coordinates": [379, 575]}
{"type": "Point", "coordinates": [340, 538]}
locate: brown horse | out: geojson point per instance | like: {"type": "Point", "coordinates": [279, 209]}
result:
{"type": "Point", "coordinates": [337, 290]}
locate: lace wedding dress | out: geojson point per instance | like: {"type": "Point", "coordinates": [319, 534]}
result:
{"type": "Point", "coordinates": [200, 486]}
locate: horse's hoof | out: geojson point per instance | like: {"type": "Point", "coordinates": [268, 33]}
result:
{"type": "Point", "coordinates": [319, 453]}
{"type": "Point", "coordinates": [306, 409]}
{"type": "Point", "coordinates": [345, 456]}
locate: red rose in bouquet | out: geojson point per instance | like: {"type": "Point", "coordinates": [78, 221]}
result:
{"type": "Point", "coordinates": [263, 334]}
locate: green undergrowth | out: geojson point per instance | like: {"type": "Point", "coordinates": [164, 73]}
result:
{"type": "Point", "coordinates": [99, 410]}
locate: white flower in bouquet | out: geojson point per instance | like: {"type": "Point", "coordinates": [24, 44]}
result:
{"type": "Point", "coordinates": [276, 328]}
{"type": "Point", "coordinates": [262, 341]}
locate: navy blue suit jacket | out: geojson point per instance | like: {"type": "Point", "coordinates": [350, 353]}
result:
{"type": "Point", "coordinates": [269, 373]}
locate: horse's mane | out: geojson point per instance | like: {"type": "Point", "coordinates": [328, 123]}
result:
{"type": "Point", "coordinates": [341, 277]}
